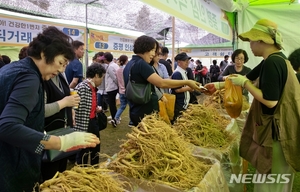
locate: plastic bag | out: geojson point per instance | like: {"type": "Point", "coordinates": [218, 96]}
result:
{"type": "Point", "coordinates": [170, 106]}
{"type": "Point", "coordinates": [163, 112]}
{"type": "Point", "coordinates": [233, 99]}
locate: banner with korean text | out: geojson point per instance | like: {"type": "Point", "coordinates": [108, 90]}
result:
{"type": "Point", "coordinates": [17, 31]}
{"type": "Point", "coordinates": [203, 14]}
{"type": "Point", "coordinates": [207, 52]}
{"type": "Point", "coordinates": [100, 41]}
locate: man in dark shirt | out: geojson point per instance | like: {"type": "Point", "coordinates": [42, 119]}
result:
{"type": "Point", "coordinates": [214, 71]}
{"type": "Point", "coordinates": [162, 59]}
{"type": "Point", "coordinates": [182, 93]}
{"type": "Point", "coordinates": [295, 61]}
{"type": "Point", "coordinates": [224, 63]}
{"type": "Point", "coordinates": [74, 70]}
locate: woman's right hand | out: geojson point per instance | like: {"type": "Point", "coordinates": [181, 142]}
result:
{"type": "Point", "coordinates": [194, 85]}
{"type": "Point", "coordinates": [72, 100]}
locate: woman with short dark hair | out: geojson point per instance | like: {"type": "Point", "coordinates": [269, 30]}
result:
{"type": "Point", "coordinates": [145, 49]}
{"type": "Point", "coordinates": [239, 57]}
{"type": "Point", "coordinates": [22, 110]}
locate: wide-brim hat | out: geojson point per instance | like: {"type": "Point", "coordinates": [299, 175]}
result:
{"type": "Point", "coordinates": [263, 30]}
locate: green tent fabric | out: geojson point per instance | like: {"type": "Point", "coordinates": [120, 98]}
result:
{"type": "Point", "coordinates": [265, 2]}
{"type": "Point", "coordinates": [11, 51]}
{"type": "Point", "coordinates": [284, 14]}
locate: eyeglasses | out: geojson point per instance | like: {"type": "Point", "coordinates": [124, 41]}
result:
{"type": "Point", "coordinates": [239, 59]}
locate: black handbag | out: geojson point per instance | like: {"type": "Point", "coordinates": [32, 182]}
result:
{"type": "Point", "coordinates": [102, 121]}
{"type": "Point", "coordinates": [55, 155]}
{"type": "Point", "coordinates": [137, 92]}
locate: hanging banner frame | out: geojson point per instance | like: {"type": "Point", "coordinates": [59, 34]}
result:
{"type": "Point", "coordinates": [18, 31]}
{"type": "Point", "coordinates": [203, 14]}
{"type": "Point", "coordinates": [101, 41]}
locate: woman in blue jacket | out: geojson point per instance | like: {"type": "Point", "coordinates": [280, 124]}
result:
{"type": "Point", "coordinates": [22, 110]}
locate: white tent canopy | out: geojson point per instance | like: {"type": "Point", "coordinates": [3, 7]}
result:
{"type": "Point", "coordinates": [130, 14]}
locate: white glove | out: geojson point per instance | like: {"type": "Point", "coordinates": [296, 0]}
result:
{"type": "Point", "coordinates": [239, 80]}
{"type": "Point", "coordinates": [78, 140]}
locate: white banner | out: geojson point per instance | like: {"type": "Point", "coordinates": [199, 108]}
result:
{"type": "Point", "coordinates": [207, 52]}
{"type": "Point", "coordinates": [15, 31]}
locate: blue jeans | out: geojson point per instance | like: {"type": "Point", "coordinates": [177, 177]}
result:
{"type": "Point", "coordinates": [123, 104]}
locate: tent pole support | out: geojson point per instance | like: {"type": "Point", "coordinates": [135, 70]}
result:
{"type": "Point", "coordinates": [173, 42]}
{"type": "Point", "coordinates": [86, 38]}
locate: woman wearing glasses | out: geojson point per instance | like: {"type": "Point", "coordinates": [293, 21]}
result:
{"type": "Point", "coordinates": [239, 57]}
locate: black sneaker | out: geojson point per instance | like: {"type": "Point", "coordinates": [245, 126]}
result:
{"type": "Point", "coordinates": [113, 122]}
{"type": "Point", "coordinates": [130, 125]}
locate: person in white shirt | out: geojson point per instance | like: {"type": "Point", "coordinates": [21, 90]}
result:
{"type": "Point", "coordinates": [192, 64]}
{"type": "Point", "coordinates": [182, 93]}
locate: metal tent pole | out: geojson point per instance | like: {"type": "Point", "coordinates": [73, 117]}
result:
{"type": "Point", "coordinates": [87, 32]}
{"type": "Point", "coordinates": [86, 38]}
{"type": "Point", "coordinates": [173, 42]}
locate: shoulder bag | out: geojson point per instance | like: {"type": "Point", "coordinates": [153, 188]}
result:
{"type": "Point", "coordinates": [102, 120]}
{"type": "Point", "coordinates": [137, 92]}
{"type": "Point", "coordinates": [55, 155]}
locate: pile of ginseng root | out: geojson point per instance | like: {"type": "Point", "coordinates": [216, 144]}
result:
{"type": "Point", "coordinates": [216, 100]}
{"type": "Point", "coordinates": [155, 152]}
{"type": "Point", "coordinates": [204, 127]}
{"type": "Point", "coordinates": [84, 179]}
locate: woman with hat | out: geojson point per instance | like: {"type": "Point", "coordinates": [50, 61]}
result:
{"type": "Point", "coordinates": [270, 139]}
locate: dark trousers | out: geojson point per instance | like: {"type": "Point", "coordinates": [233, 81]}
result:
{"type": "Point", "coordinates": [82, 155]}
{"type": "Point", "coordinates": [111, 100]}
{"type": "Point", "coordinates": [214, 78]}
{"type": "Point", "coordinates": [198, 78]}
{"type": "Point", "coordinates": [49, 169]}
{"type": "Point", "coordinates": [136, 119]}
{"type": "Point", "coordinates": [102, 101]}
{"type": "Point", "coordinates": [177, 112]}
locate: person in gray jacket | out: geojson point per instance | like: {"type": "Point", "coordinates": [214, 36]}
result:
{"type": "Point", "coordinates": [111, 85]}
{"type": "Point", "coordinates": [101, 93]}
